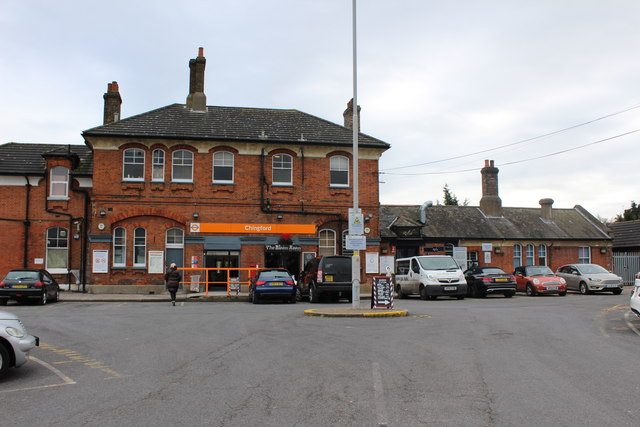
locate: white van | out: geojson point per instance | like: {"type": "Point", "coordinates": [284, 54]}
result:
{"type": "Point", "coordinates": [429, 276]}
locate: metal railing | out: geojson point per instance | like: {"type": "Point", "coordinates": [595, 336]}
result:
{"type": "Point", "coordinates": [626, 265]}
{"type": "Point", "coordinates": [232, 285]}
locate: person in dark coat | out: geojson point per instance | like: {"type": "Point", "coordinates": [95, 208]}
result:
{"type": "Point", "coordinates": [173, 278]}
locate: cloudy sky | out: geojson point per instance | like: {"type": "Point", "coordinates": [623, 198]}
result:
{"type": "Point", "coordinates": [549, 89]}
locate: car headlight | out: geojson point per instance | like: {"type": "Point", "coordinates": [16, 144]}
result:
{"type": "Point", "coordinates": [562, 281]}
{"type": "Point", "coordinates": [14, 332]}
{"type": "Point", "coordinates": [595, 280]}
{"type": "Point", "coordinates": [536, 281]}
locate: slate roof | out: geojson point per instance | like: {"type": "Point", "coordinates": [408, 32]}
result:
{"type": "Point", "coordinates": [177, 121]}
{"type": "Point", "coordinates": [26, 158]}
{"type": "Point", "coordinates": [469, 222]}
{"type": "Point", "coordinates": [626, 234]}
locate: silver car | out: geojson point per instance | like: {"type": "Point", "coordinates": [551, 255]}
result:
{"type": "Point", "coordinates": [589, 278]}
{"type": "Point", "coordinates": [15, 342]}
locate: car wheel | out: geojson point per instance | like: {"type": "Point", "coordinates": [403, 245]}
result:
{"type": "Point", "coordinates": [293, 300]}
{"type": "Point", "coordinates": [584, 290]}
{"type": "Point", "coordinates": [508, 295]}
{"type": "Point", "coordinates": [460, 296]}
{"type": "Point", "coordinates": [298, 294]}
{"type": "Point", "coordinates": [562, 294]}
{"type": "Point", "coordinates": [423, 293]}
{"type": "Point", "coordinates": [43, 299]}
{"type": "Point", "coordinates": [617, 291]}
{"type": "Point", "coordinates": [3, 301]}
{"type": "Point", "coordinates": [4, 360]}
{"type": "Point", "coordinates": [313, 294]}
{"type": "Point", "coordinates": [401, 295]}
{"type": "Point", "coordinates": [255, 299]}
{"type": "Point", "coordinates": [57, 298]}
{"type": "Point", "coordinates": [530, 291]}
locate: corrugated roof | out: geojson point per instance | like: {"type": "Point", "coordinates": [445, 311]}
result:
{"type": "Point", "coordinates": [26, 158]}
{"type": "Point", "coordinates": [177, 121]}
{"type": "Point", "coordinates": [469, 222]}
{"type": "Point", "coordinates": [626, 234]}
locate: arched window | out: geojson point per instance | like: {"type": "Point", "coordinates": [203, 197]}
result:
{"type": "Point", "coordinates": [57, 249]}
{"type": "Point", "coordinates": [119, 247]}
{"type": "Point", "coordinates": [517, 255]}
{"type": "Point", "coordinates": [542, 254]}
{"type": "Point", "coordinates": [530, 255]}
{"type": "Point", "coordinates": [182, 166]}
{"type": "Point", "coordinates": [339, 171]}
{"type": "Point", "coordinates": [326, 242]}
{"type": "Point", "coordinates": [282, 169]}
{"type": "Point", "coordinates": [223, 167]}
{"type": "Point", "coordinates": [59, 182]}
{"type": "Point", "coordinates": [157, 171]}
{"type": "Point", "coordinates": [133, 165]}
{"type": "Point", "coordinates": [139, 247]}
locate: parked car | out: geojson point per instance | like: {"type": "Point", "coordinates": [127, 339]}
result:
{"type": "Point", "coordinates": [539, 279]}
{"type": "Point", "coordinates": [489, 280]}
{"type": "Point", "coordinates": [29, 284]}
{"type": "Point", "coordinates": [272, 283]}
{"type": "Point", "coordinates": [327, 276]}
{"type": "Point", "coordinates": [15, 342]}
{"type": "Point", "coordinates": [635, 296]}
{"type": "Point", "coordinates": [429, 276]}
{"type": "Point", "coordinates": [589, 278]}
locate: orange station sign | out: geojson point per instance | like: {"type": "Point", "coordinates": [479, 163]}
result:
{"type": "Point", "coordinates": [243, 228]}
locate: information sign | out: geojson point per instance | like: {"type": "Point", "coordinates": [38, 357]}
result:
{"type": "Point", "coordinates": [382, 292]}
{"type": "Point", "coordinates": [358, 243]}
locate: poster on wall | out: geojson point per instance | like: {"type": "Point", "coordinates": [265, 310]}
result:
{"type": "Point", "coordinates": [306, 257]}
{"type": "Point", "coordinates": [100, 261]}
{"type": "Point", "coordinates": [156, 262]}
{"type": "Point", "coordinates": [372, 266]}
{"type": "Point", "coordinates": [386, 264]}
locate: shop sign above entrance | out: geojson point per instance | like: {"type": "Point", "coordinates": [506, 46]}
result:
{"type": "Point", "coordinates": [250, 228]}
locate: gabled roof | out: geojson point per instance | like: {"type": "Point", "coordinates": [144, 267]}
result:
{"type": "Point", "coordinates": [626, 234]}
{"type": "Point", "coordinates": [177, 121]}
{"type": "Point", "coordinates": [26, 158]}
{"type": "Point", "coordinates": [469, 222]}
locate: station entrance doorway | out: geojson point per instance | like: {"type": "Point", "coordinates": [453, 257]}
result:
{"type": "Point", "coordinates": [283, 256]}
{"type": "Point", "coordinates": [218, 279]}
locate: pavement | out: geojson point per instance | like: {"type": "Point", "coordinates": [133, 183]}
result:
{"type": "Point", "coordinates": [221, 296]}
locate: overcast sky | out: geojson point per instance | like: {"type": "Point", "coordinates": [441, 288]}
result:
{"type": "Point", "coordinates": [466, 79]}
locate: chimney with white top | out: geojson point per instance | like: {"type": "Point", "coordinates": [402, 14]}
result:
{"type": "Point", "coordinates": [112, 103]}
{"type": "Point", "coordinates": [490, 203]}
{"type": "Point", "coordinates": [197, 100]}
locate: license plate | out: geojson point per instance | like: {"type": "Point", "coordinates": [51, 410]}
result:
{"type": "Point", "coordinates": [450, 288]}
{"type": "Point", "coordinates": [20, 286]}
{"type": "Point", "coordinates": [328, 278]}
{"type": "Point", "coordinates": [276, 283]}
{"type": "Point", "coordinates": [501, 279]}
{"type": "Point", "coordinates": [552, 288]}
{"type": "Point", "coordinates": [612, 286]}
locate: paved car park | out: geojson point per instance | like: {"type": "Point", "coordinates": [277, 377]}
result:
{"type": "Point", "coordinates": [541, 360]}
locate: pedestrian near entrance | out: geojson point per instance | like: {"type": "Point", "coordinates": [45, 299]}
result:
{"type": "Point", "coordinates": [173, 278]}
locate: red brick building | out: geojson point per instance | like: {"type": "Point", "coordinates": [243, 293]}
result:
{"type": "Point", "coordinates": [193, 184]}
{"type": "Point", "coordinates": [491, 234]}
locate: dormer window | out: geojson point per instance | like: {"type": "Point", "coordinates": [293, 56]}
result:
{"type": "Point", "coordinates": [59, 183]}
{"type": "Point", "coordinates": [133, 165]}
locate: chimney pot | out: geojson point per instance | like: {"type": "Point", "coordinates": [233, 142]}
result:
{"type": "Point", "coordinates": [490, 203]}
{"type": "Point", "coordinates": [200, 51]}
{"type": "Point", "coordinates": [546, 206]}
{"type": "Point", "coordinates": [112, 103]}
{"type": "Point", "coordinates": [196, 99]}
{"type": "Point", "coordinates": [348, 115]}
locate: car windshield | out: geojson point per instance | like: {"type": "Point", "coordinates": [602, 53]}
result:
{"type": "Point", "coordinates": [539, 270]}
{"type": "Point", "coordinates": [493, 270]}
{"type": "Point", "coordinates": [437, 263]}
{"type": "Point", "coordinates": [274, 274]}
{"type": "Point", "coordinates": [333, 265]}
{"type": "Point", "coordinates": [21, 275]}
{"type": "Point", "coordinates": [591, 269]}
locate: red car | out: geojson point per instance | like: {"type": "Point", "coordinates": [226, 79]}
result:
{"type": "Point", "coordinates": [539, 279]}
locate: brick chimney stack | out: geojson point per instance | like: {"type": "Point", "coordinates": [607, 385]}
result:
{"type": "Point", "coordinates": [112, 103]}
{"type": "Point", "coordinates": [197, 100]}
{"type": "Point", "coordinates": [490, 202]}
{"type": "Point", "coordinates": [348, 116]}
{"type": "Point", "coordinates": [546, 206]}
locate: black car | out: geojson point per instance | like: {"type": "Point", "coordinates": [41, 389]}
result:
{"type": "Point", "coordinates": [327, 276]}
{"type": "Point", "coordinates": [29, 284]}
{"type": "Point", "coordinates": [489, 280]}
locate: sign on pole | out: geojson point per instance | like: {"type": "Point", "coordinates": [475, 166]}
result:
{"type": "Point", "coordinates": [356, 243]}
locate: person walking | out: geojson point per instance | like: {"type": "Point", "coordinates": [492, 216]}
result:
{"type": "Point", "coordinates": [173, 278]}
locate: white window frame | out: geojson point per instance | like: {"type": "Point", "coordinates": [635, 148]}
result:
{"type": "Point", "coordinates": [185, 162]}
{"type": "Point", "coordinates": [119, 242]}
{"type": "Point", "coordinates": [582, 259]}
{"type": "Point", "coordinates": [139, 243]}
{"type": "Point", "coordinates": [337, 164]}
{"type": "Point", "coordinates": [223, 159]}
{"type": "Point", "coordinates": [173, 244]}
{"type": "Point", "coordinates": [281, 162]}
{"type": "Point", "coordinates": [157, 159]}
{"type": "Point", "coordinates": [324, 239]}
{"type": "Point", "coordinates": [530, 255]}
{"type": "Point", "coordinates": [134, 162]}
{"type": "Point", "coordinates": [58, 181]}
{"type": "Point", "coordinates": [542, 254]}
{"type": "Point", "coordinates": [61, 234]}
{"type": "Point", "coordinates": [517, 255]}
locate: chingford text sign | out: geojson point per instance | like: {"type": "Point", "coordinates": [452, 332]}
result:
{"type": "Point", "coordinates": [240, 228]}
